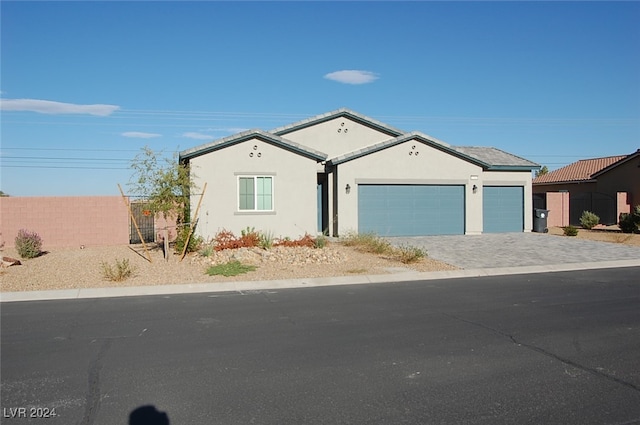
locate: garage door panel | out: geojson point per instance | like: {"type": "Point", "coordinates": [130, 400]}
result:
{"type": "Point", "coordinates": [411, 210]}
{"type": "Point", "coordinates": [503, 209]}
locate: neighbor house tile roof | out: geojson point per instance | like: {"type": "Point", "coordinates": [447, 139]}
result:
{"type": "Point", "coordinates": [582, 170]}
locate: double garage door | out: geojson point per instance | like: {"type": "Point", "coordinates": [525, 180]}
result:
{"type": "Point", "coordinates": [419, 210]}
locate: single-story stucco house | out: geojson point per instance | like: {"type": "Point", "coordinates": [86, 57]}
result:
{"type": "Point", "coordinates": [606, 186]}
{"type": "Point", "coordinates": [342, 171]}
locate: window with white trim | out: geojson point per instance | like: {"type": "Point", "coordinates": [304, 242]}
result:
{"type": "Point", "coordinates": [255, 193]}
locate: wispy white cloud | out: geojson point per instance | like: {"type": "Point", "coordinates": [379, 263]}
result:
{"type": "Point", "coordinates": [55, 108]}
{"type": "Point", "coordinates": [140, 135]}
{"type": "Point", "coordinates": [352, 76]}
{"type": "Point", "coordinates": [197, 136]}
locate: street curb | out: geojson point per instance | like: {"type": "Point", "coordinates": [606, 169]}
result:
{"type": "Point", "coordinates": [241, 286]}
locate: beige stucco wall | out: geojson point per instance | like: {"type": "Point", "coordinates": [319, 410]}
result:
{"type": "Point", "coordinates": [294, 190]}
{"type": "Point", "coordinates": [338, 136]}
{"type": "Point", "coordinates": [395, 165]}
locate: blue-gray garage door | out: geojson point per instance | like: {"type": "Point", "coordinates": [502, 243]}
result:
{"type": "Point", "coordinates": [411, 210]}
{"type": "Point", "coordinates": [503, 209]}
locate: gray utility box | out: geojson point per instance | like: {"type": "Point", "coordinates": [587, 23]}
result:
{"type": "Point", "coordinates": [540, 220]}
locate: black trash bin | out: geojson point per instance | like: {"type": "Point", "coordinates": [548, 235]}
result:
{"type": "Point", "coordinates": [540, 220]}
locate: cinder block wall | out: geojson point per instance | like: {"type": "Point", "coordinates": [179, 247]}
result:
{"type": "Point", "coordinates": [66, 221]}
{"type": "Point", "coordinates": [558, 206]}
{"type": "Point", "coordinates": [623, 203]}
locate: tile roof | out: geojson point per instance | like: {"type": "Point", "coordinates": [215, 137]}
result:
{"type": "Point", "coordinates": [495, 157]}
{"type": "Point", "coordinates": [250, 134]}
{"type": "Point", "coordinates": [581, 170]}
{"type": "Point", "coordinates": [490, 158]}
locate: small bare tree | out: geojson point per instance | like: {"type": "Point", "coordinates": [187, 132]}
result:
{"type": "Point", "coordinates": [164, 182]}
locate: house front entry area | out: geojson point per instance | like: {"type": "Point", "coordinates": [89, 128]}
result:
{"type": "Point", "coordinates": [411, 210]}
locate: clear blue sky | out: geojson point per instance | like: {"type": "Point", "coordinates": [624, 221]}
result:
{"type": "Point", "coordinates": [86, 85]}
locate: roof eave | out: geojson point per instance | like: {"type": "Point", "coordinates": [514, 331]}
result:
{"type": "Point", "coordinates": [212, 147]}
{"type": "Point", "coordinates": [563, 182]}
{"type": "Point", "coordinates": [513, 167]}
{"type": "Point", "coordinates": [343, 112]}
{"type": "Point", "coordinates": [401, 139]}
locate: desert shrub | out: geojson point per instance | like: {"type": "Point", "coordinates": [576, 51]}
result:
{"type": "Point", "coordinates": [265, 240]}
{"type": "Point", "coordinates": [589, 220]}
{"type": "Point", "coordinates": [305, 240]}
{"type": "Point", "coordinates": [225, 239]}
{"type": "Point", "coordinates": [570, 230]}
{"type": "Point", "coordinates": [410, 254]}
{"type": "Point", "coordinates": [231, 268]}
{"type": "Point", "coordinates": [206, 250]}
{"type": "Point", "coordinates": [118, 272]}
{"type": "Point", "coordinates": [195, 241]}
{"type": "Point", "coordinates": [368, 242]}
{"type": "Point", "coordinates": [28, 244]}
{"type": "Point", "coordinates": [249, 237]}
{"type": "Point", "coordinates": [630, 222]}
{"type": "Point", "coordinates": [320, 242]}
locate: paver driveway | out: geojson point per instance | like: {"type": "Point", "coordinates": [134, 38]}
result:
{"type": "Point", "coordinates": [517, 249]}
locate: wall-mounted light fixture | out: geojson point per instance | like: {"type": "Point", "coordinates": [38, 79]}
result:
{"type": "Point", "coordinates": [475, 189]}
{"type": "Point", "coordinates": [347, 188]}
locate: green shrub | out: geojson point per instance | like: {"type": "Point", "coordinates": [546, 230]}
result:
{"type": "Point", "coordinates": [195, 241]}
{"type": "Point", "coordinates": [232, 268]}
{"type": "Point", "coordinates": [120, 271]}
{"type": "Point", "coordinates": [320, 242]}
{"type": "Point", "coordinates": [207, 250]}
{"type": "Point", "coordinates": [570, 230]}
{"type": "Point", "coordinates": [589, 220]}
{"type": "Point", "coordinates": [265, 240]}
{"type": "Point", "coordinates": [28, 244]}
{"type": "Point", "coordinates": [630, 222]}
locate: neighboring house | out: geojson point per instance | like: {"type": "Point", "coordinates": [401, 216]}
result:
{"type": "Point", "coordinates": [342, 171]}
{"type": "Point", "coordinates": [605, 186]}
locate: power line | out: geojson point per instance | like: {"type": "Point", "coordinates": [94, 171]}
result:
{"type": "Point", "coordinates": [65, 167]}
{"type": "Point", "coordinates": [72, 149]}
{"type": "Point", "coordinates": [54, 158]}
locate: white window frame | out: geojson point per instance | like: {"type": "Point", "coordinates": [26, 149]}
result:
{"type": "Point", "coordinates": [255, 178]}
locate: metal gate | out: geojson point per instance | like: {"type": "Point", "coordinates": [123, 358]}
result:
{"type": "Point", "coordinates": [540, 201]}
{"type": "Point", "coordinates": [144, 219]}
{"type": "Point", "coordinates": [602, 205]}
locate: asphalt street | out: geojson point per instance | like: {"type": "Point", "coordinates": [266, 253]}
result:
{"type": "Point", "coordinates": [552, 348]}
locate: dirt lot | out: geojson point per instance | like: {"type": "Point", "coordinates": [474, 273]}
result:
{"type": "Point", "coordinates": [83, 268]}
{"type": "Point", "coordinates": [610, 234]}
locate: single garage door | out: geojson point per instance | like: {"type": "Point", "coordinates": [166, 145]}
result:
{"type": "Point", "coordinates": [503, 209]}
{"type": "Point", "coordinates": [411, 210]}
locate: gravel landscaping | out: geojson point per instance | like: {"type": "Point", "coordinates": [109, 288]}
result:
{"type": "Point", "coordinates": [70, 268]}
{"type": "Point", "coordinates": [83, 267]}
